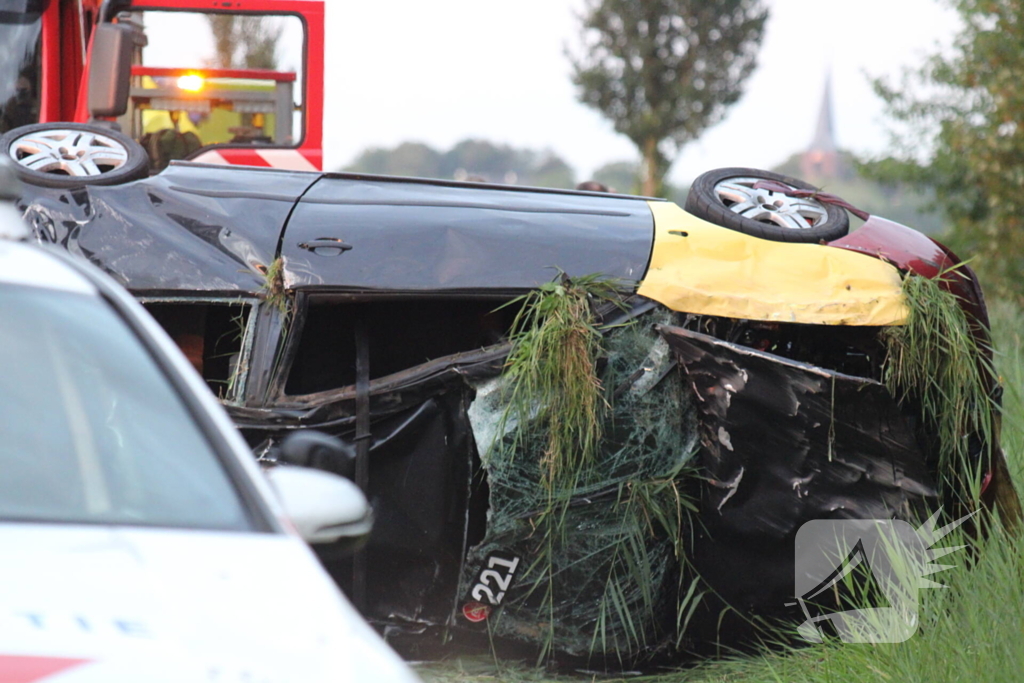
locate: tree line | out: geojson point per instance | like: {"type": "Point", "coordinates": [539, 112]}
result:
{"type": "Point", "coordinates": [470, 159]}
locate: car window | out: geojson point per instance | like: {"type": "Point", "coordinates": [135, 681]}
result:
{"type": "Point", "coordinates": [326, 354]}
{"type": "Point", "coordinates": [211, 336]}
{"type": "Point", "coordinates": [92, 430]}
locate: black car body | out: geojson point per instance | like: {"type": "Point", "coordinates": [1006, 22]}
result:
{"type": "Point", "coordinates": [376, 309]}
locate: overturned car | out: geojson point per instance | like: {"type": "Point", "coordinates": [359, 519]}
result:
{"type": "Point", "coordinates": [589, 424]}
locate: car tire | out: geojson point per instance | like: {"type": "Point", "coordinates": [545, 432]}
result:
{"type": "Point", "coordinates": [73, 155]}
{"type": "Point", "coordinates": [726, 197]}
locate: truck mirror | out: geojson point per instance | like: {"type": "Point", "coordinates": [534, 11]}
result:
{"type": "Point", "coordinates": [110, 69]}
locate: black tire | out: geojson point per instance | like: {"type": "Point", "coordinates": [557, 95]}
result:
{"type": "Point", "coordinates": [115, 157]}
{"type": "Point", "coordinates": [827, 222]}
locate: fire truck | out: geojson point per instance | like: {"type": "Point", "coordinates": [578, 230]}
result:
{"type": "Point", "coordinates": [232, 82]}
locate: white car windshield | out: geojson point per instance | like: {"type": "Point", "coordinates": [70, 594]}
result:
{"type": "Point", "coordinates": [92, 430]}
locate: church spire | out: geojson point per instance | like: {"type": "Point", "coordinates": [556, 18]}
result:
{"type": "Point", "coordinates": [822, 160]}
{"type": "Point", "coordinates": [824, 138]}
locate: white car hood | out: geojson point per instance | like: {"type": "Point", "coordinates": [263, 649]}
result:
{"type": "Point", "coordinates": [80, 604]}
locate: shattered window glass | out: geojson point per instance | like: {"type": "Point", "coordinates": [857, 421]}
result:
{"type": "Point", "coordinates": [609, 581]}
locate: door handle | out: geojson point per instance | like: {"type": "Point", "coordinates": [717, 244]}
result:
{"type": "Point", "coordinates": [326, 246]}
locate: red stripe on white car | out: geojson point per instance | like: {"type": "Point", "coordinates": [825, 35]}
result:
{"type": "Point", "coordinates": [23, 669]}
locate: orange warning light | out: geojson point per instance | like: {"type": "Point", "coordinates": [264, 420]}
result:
{"type": "Point", "coordinates": [191, 82]}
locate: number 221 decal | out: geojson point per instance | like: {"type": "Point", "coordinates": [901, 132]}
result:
{"type": "Point", "coordinates": [494, 578]}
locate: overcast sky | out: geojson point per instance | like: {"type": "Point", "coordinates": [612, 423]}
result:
{"type": "Point", "coordinates": [441, 71]}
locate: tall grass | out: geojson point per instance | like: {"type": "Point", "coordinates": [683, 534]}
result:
{"type": "Point", "coordinates": [608, 518]}
{"type": "Point", "coordinates": [1007, 337]}
{"type": "Point", "coordinates": [555, 344]}
{"type": "Point", "coordinates": [934, 362]}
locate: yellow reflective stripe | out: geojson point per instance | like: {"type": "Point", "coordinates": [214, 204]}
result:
{"type": "Point", "coordinates": [716, 271]}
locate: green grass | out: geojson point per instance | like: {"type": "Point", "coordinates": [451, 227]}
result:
{"type": "Point", "coordinates": [273, 289]}
{"type": "Point", "coordinates": [557, 408]}
{"type": "Point", "coordinates": [552, 370]}
{"type": "Point", "coordinates": [555, 344]}
{"type": "Point", "coordinates": [932, 361]}
{"type": "Point", "coordinates": [1007, 335]}
{"type": "Point", "coordinates": [971, 631]}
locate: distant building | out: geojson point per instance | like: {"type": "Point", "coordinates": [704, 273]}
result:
{"type": "Point", "coordinates": [823, 160]}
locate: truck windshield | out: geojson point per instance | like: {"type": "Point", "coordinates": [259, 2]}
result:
{"type": "Point", "coordinates": [19, 63]}
{"type": "Point", "coordinates": [205, 79]}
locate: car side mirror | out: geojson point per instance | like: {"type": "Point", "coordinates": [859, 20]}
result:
{"type": "Point", "coordinates": [324, 507]}
{"type": "Point", "coordinates": [110, 69]}
{"type": "Point", "coordinates": [310, 448]}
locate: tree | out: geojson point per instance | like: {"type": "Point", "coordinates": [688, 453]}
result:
{"type": "Point", "coordinates": [407, 159]}
{"type": "Point", "coordinates": [664, 71]}
{"type": "Point", "coordinates": [619, 176]}
{"type": "Point", "coordinates": [248, 42]}
{"type": "Point", "coordinates": [966, 109]}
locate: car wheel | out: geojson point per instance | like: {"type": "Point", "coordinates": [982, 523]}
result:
{"type": "Point", "coordinates": [728, 197]}
{"type": "Point", "coordinates": [74, 154]}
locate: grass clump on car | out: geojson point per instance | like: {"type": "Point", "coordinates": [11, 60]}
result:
{"type": "Point", "coordinates": [935, 363]}
{"type": "Point", "coordinates": [586, 439]}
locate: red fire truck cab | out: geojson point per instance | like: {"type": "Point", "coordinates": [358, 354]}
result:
{"type": "Point", "coordinates": [232, 82]}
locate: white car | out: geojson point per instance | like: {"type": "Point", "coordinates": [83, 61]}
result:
{"type": "Point", "coordinates": [138, 539]}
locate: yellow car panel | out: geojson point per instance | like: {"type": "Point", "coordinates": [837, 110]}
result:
{"type": "Point", "coordinates": [699, 267]}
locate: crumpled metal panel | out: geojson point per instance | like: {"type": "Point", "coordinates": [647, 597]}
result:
{"type": "Point", "coordinates": [192, 228]}
{"type": "Point", "coordinates": [782, 443]}
{"type": "Point", "coordinates": [702, 268]}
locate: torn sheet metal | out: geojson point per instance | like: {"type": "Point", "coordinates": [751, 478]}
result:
{"type": "Point", "coordinates": [403, 235]}
{"type": "Point", "coordinates": [782, 443]}
{"type": "Point", "coordinates": [698, 267]}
